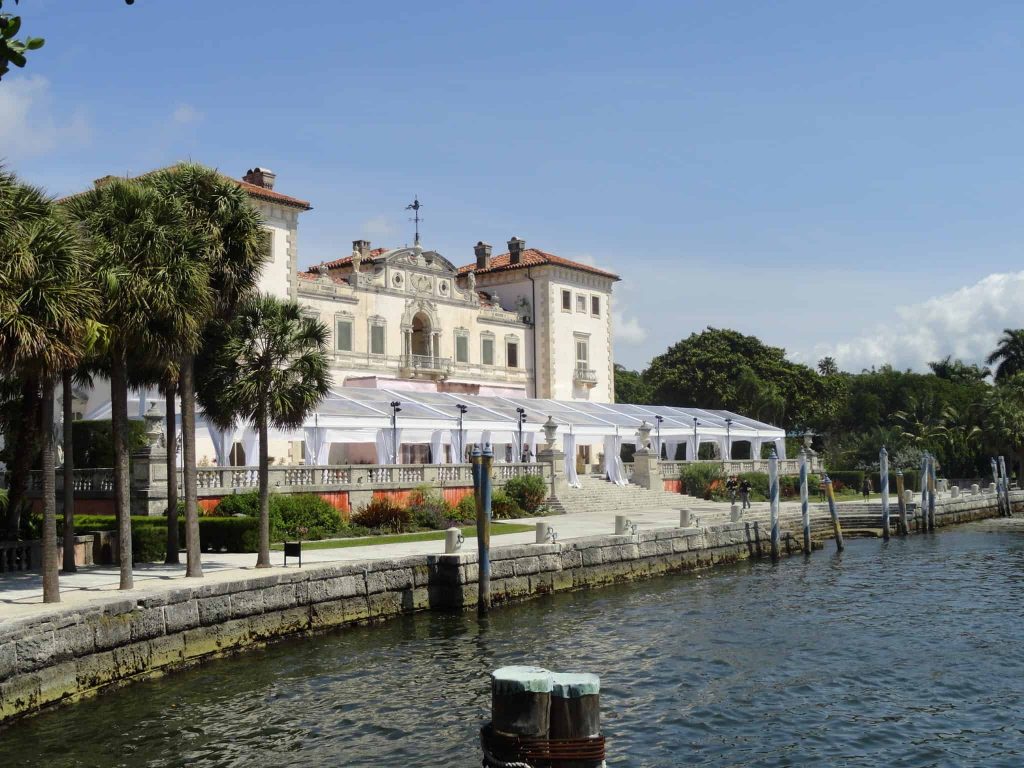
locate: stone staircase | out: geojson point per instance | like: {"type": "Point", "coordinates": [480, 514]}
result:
{"type": "Point", "coordinates": [599, 495]}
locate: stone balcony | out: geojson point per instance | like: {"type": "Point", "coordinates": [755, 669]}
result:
{"type": "Point", "coordinates": [586, 377]}
{"type": "Point", "coordinates": [428, 366]}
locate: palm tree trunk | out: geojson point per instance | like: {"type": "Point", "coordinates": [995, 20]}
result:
{"type": "Point", "coordinates": [263, 560]}
{"type": "Point", "coordinates": [187, 385]}
{"type": "Point", "coordinates": [51, 581]}
{"type": "Point", "coordinates": [172, 477]}
{"type": "Point", "coordinates": [122, 491]}
{"type": "Point", "coordinates": [24, 440]}
{"type": "Point", "coordinates": [69, 476]}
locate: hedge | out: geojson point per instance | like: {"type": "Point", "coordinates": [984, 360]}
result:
{"type": "Point", "coordinates": [292, 516]}
{"type": "Point", "coordinates": [910, 480]}
{"type": "Point", "coordinates": [851, 479]}
{"type": "Point", "coordinates": [528, 492]}
{"type": "Point", "coordinates": [701, 477]}
{"type": "Point", "coordinates": [149, 534]}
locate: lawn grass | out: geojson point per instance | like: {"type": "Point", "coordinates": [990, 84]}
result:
{"type": "Point", "coordinates": [469, 531]}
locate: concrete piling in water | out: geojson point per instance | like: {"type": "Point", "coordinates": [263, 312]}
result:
{"type": "Point", "coordinates": [543, 718]}
{"type": "Point", "coordinates": [931, 493]}
{"type": "Point", "coordinates": [1006, 487]}
{"type": "Point", "coordinates": [837, 528]}
{"type": "Point", "coordinates": [773, 498]}
{"type": "Point", "coordinates": [901, 500]}
{"type": "Point", "coordinates": [883, 474]}
{"type": "Point", "coordinates": [994, 487]}
{"type": "Point", "coordinates": [805, 511]}
{"type": "Point", "coordinates": [923, 525]}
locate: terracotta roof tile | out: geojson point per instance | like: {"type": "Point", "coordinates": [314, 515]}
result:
{"type": "Point", "coordinates": [253, 190]}
{"type": "Point", "coordinates": [533, 257]}
{"type": "Point", "coordinates": [346, 260]}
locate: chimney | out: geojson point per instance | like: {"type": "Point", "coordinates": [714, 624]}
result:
{"type": "Point", "coordinates": [483, 255]}
{"type": "Point", "coordinates": [363, 246]}
{"type": "Point", "coordinates": [261, 177]}
{"type": "Point", "coordinates": [516, 247]}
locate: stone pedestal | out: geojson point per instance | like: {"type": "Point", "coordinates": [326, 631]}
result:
{"type": "Point", "coordinates": [556, 461]}
{"type": "Point", "coordinates": [149, 470]}
{"type": "Point", "coordinates": [975, 489]}
{"type": "Point", "coordinates": [646, 470]}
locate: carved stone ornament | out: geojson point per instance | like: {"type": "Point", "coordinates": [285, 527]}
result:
{"type": "Point", "coordinates": [422, 283]}
{"type": "Point", "coordinates": [471, 281]}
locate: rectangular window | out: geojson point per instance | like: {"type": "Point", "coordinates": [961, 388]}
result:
{"type": "Point", "coordinates": [461, 348]}
{"type": "Point", "coordinates": [567, 301]}
{"type": "Point", "coordinates": [343, 337]}
{"type": "Point", "coordinates": [595, 306]}
{"type": "Point", "coordinates": [581, 303]}
{"type": "Point", "coordinates": [487, 351]}
{"type": "Point", "coordinates": [512, 354]}
{"type": "Point", "coordinates": [582, 353]}
{"type": "Point", "coordinates": [376, 339]}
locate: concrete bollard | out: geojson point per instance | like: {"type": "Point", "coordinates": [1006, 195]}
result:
{"type": "Point", "coordinates": [991, 487]}
{"type": "Point", "coordinates": [685, 518]}
{"type": "Point", "coordinates": [975, 489]}
{"type": "Point", "coordinates": [452, 541]}
{"type": "Point", "coordinates": [620, 525]}
{"type": "Point", "coordinates": [954, 492]}
{"type": "Point", "coordinates": [908, 496]}
{"type": "Point", "coordinates": [735, 514]}
{"type": "Point", "coordinates": [542, 533]}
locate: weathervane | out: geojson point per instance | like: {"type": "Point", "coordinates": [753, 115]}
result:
{"type": "Point", "coordinates": [415, 208]}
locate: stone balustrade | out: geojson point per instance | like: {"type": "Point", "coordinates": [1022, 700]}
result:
{"type": "Point", "coordinates": [672, 469]}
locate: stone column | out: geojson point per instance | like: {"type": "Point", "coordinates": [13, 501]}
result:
{"type": "Point", "coordinates": [647, 470]}
{"type": "Point", "coordinates": [149, 470]}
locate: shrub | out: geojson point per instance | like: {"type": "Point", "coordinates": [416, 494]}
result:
{"type": "Point", "coordinates": [465, 511]}
{"type": "Point", "coordinates": [789, 486]}
{"type": "Point", "coordinates": [383, 514]}
{"type": "Point", "coordinates": [528, 492]}
{"type": "Point", "coordinates": [504, 507]}
{"type": "Point", "coordinates": [231, 534]}
{"type": "Point", "coordinates": [238, 504]}
{"type": "Point", "coordinates": [428, 509]}
{"type": "Point", "coordinates": [699, 478]}
{"type": "Point", "coordinates": [758, 484]}
{"type": "Point", "coordinates": [149, 543]}
{"type": "Point", "coordinates": [290, 512]}
{"type": "Point", "coordinates": [851, 479]}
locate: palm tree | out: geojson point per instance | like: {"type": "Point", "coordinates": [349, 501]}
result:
{"type": "Point", "coordinates": [827, 366]}
{"type": "Point", "coordinates": [153, 297]}
{"type": "Point", "coordinates": [46, 318]}
{"type": "Point", "coordinates": [267, 365]}
{"type": "Point", "coordinates": [1009, 354]}
{"type": "Point", "coordinates": [1004, 418]}
{"type": "Point", "coordinates": [234, 253]}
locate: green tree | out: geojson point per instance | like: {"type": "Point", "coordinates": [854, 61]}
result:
{"type": "Point", "coordinates": [707, 369]}
{"type": "Point", "coordinates": [13, 50]}
{"type": "Point", "coordinates": [268, 365]}
{"type": "Point", "coordinates": [630, 386]}
{"type": "Point", "coordinates": [234, 251]}
{"type": "Point", "coordinates": [958, 371]}
{"type": "Point", "coordinates": [1008, 356]}
{"type": "Point", "coordinates": [827, 366]}
{"type": "Point", "coordinates": [153, 297]}
{"type": "Point", "coordinates": [1004, 419]}
{"type": "Point", "coordinates": [46, 319]}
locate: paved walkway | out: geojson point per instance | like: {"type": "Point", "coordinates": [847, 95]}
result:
{"type": "Point", "coordinates": [21, 593]}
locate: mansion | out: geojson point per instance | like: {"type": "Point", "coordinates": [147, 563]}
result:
{"type": "Point", "coordinates": [525, 323]}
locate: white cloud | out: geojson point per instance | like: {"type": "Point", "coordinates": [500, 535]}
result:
{"type": "Point", "coordinates": [378, 226]}
{"type": "Point", "coordinates": [28, 123]}
{"type": "Point", "coordinates": [965, 323]}
{"type": "Point", "coordinates": [185, 114]}
{"type": "Point", "coordinates": [627, 329]}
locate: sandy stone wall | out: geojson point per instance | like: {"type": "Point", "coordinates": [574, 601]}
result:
{"type": "Point", "coordinates": [67, 653]}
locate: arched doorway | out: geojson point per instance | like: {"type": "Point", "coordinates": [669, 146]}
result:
{"type": "Point", "coordinates": [420, 341]}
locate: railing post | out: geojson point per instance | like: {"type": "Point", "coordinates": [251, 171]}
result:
{"type": "Point", "coordinates": [482, 494]}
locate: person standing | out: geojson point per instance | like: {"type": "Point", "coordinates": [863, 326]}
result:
{"type": "Point", "coordinates": [865, 488]}
{"type": "Point", "coordinates": [745, 493]}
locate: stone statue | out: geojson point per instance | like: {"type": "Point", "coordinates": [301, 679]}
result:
{"type": "Point", "coordinates": [357, 260]}
{"type": "Point", "coordinates": [471, 282]}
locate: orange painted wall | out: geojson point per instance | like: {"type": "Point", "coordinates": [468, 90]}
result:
{"type": "Point", "coordinates": [673, 485]}
{"type": "Point", "coordinates": [339, 500]}
{"type": "Point", "coordinates": [454, 495]}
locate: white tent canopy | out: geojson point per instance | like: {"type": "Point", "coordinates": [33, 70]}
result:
{"type": "Point", "coordinates": [357, 415]}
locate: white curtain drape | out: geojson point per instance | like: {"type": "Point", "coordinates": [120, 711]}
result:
{"type": "Point", "coordinates": [613, 468]}
{"type": "Point", "coordinates": [724, 448]}
{"type": "Point", "coordinates": [780, 447]}
{"type": "Point", "coordinates": [755, 448]}
{"type": "Point", "coordinates": [318, 448]}
{"type": "Point", "coordinates": [437, 447]}
{"type": "Point", "coordinates": [385, 448]}
{"type": "Point", "coordinates": [222, 440]}
{"type": "Point", "coordinates": [569, 447]}
{"type": "Point", "coordinates": [458, 446]}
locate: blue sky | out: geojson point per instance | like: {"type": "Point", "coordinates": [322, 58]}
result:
{"type": "Point", "coordinates": [832, 179]}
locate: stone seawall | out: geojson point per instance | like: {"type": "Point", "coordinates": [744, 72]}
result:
{"type": "Point", "coordinates": [66, 653]}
